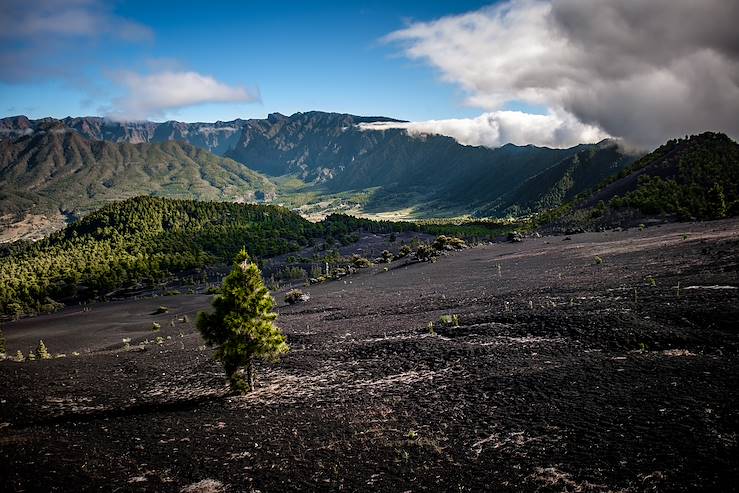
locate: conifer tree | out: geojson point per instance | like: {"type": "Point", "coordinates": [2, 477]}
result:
{"type": "Point", "coordinates": [242, 326]}
{"type": "Point", "coordinates": [41, 351]}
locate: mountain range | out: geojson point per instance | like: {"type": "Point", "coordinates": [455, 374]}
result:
{"type": "Point", "coordinates": [314, 162]}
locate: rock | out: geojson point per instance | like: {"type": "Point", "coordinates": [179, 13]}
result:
{"type": "Point", "coordinates": [205, 486]}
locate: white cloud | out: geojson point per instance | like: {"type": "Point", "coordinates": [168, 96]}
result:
{"type": "Point", "coordinates": [42, 39]}
{"type": "Point", "coordinates": [153, 95]}
{"type": "Point", "coordinates": [643, 71]}
{"type": "Point", "coordinates": [501, 127]}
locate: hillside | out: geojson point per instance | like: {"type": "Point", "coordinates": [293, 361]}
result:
{"type": "Point", "coordinates": [139, 239]}
{"type": "Point", "coordinates": [554, 376]}
{"type": "Point", "coordinates": [55, 169]}
{"type": "Point", "coordinates": [697, 176]}
{"type": "Point", "coordinates": [570, 177]}
{"type": "Point", "coordinates": [150, 239]}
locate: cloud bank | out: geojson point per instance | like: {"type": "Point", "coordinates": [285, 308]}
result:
{"type": "Point", "coordinates": [153, 95]}
{"type": "Point", "coordinates": [641, 71]}
{"type": "Point", "coordinates": [501, 127]}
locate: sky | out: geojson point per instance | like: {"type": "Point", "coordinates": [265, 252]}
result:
{"type": "Point", "coordinates": [544, 72]}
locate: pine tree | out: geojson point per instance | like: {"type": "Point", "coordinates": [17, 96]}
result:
{"type": "Point", "coordinates": [242, 326]}
{"type": "Point", "coordinates": [41, 351]}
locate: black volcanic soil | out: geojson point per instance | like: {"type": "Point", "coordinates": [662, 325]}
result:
{"type": "Point", "coordinates": [564, 375]}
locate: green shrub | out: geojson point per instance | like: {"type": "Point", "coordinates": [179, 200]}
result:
{"type": "Point", "coordinates": [295, 295]}
{"type": "Point", "coordinates": [449, 320]}
{"type": "Point", "coordinates": [155, 327]}
{"type": "Point", "coordinates": [41, 351]}
{"type": "Point", "coordinates": [360, 262]}
{"type": "Point", "coordinates": [404, 251]}
{"type": "Point", "coordinates": [443, 242]}
{"type": "Point", "coordinates": [424, 253]}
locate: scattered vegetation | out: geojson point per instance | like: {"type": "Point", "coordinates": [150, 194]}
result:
{"type": "Point", "coordinates": [242, 326]}
{"type": "Point", "coordinates": [449, 320]}
{"type": "Point", "coordinates": [155, 327]}
{"type": "Point", "coordinates": [144, 240]}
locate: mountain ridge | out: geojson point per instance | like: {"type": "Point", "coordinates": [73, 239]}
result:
{"type": "Point", "coordinates": [55, 169]}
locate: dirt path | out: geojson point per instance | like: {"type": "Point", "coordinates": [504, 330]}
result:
{"type": "Point", "coordinates": [565, 374]}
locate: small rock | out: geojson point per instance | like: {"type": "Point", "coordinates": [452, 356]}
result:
{"type": "Point", "coordinates": [204, 486]}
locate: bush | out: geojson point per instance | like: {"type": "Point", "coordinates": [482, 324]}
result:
{"type": "Point", "coordinates": [404, 251]}
{"type": "Point", "coordinates": [296, 296]}
{"type": "Point", "coordinates": [387, 256]}
{"type": "Point", "coordinates": [424, 253]}
{"type": "Point", "coordinates": [443, 242]}
{"type": "Point", "coordinates": [41, 351]}
{"type": "Point", "coordinates": [155, 327]}
{"type": "Point", "coordinates": [515, 237]}
{"type": "Point", "coordinates": [449, 320]}
{"type": "Point", "coordinates": [360, 262]}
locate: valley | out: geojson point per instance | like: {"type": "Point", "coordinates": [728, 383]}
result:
{"type": "Point", "coordinates": [315, 163]}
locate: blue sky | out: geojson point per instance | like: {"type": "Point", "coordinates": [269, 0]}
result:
{"type": "Point", "coordinates": [299, 56]}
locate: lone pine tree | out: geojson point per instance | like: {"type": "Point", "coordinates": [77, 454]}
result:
{"type": "Point", "coordinates": [242, 326]}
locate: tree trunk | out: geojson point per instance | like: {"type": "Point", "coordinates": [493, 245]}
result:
{"type": "Point", "coordinates": [250, 374]}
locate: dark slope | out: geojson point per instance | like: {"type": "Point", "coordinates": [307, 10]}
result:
{"type": "Point", "coordinates": [570, 177]}
{"type": "Point", "coordinates": [693, 177]}
{"type": "Point", "coordinates": [59, 170]}
{"type": "Point", "coordinates": [316, 145]}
